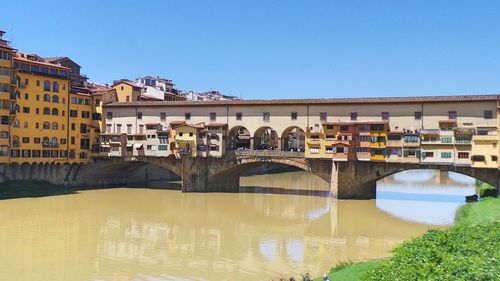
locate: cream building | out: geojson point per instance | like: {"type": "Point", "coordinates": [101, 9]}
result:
{"type": "Point", "coordinates": [435, 120]}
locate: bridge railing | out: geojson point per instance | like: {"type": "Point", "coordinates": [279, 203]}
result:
{"type": "Point", "coordinates": [269, 153]}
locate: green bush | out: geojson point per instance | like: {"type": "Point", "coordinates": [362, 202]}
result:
{"type": "Point", "coordinates": [470, 252]}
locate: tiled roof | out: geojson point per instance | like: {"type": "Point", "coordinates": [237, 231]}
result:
{"type": "Point", "coordinates": [422, 99]}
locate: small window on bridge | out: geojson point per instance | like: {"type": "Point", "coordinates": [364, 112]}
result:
{"type": "Point", "coordinates": [294, 115]}
{"type": "Point", "coordinates": [266, 116]}
{"type": "Point", "coordinates": [418, 115]}
{"type": "Point", "coordinates": [187, 116]}
{"type": "Point", "coordinates": [239, 116]}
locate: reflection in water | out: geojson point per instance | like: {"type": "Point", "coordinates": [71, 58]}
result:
{"type": "Point", "coordinates": [426, 196]}
{"type": "Point", "coordinates": [154, 234]}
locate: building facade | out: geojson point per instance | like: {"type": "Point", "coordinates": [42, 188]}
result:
{"type": "Point", "coordinates": [429, 130]}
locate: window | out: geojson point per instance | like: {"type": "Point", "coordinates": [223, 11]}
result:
{"type": "Point", "coordinates": [5, 120]}
{"type": "Point", "coordinates": [463, 155]}
{"type": "Point", "coordinates": [294, 115]}
{"type": "Point", "coordinates": [187, 116]}
{"type": "Point", "coordinates": [83, 128]}
{"type": "Point", "coordinates": [63, 141]}
{"type": "Point", "coordinates": [190, 134]}
{"type": "Point", "coordinates": [452, 115]}
{"type": "Point", "coordinates": [46, 97]}
{"type": "Point", "coordinates": [73, 113]}
{"type": "Point", "coordinates": [139, 115]}
{"type": "Point", "coordinates": [35, 153]}
{"type": "Point", "coordinates": [362, 150]}
{"type": "Point", "coordinates": [97, 102]}
{"type": "Point", "coordinates": [266, 116]}
{"type": "Point", "coordinates": [344, 128]}
{"type": "Point", "coordinates": [494, 158]}
{"type": "Point", "coordinates": [46, 85]}
{"type": "Point", "coordinates": [428, 154]}
{"type": "Point", "coordinates": [26, 109]}
{"type": "Point", "coordinates": [363, 127]}
{"type": "Point", "coordinates": [314, 150]}
{"type": "Point", "coordinates": [55, 111]}
{"type": "Point", "coordinates": [72, 140]}
{"type": "Point", "coordinates": [46, 125]}
{"type": "Point", "coordinates": [85, 114]}
{"type": "Point", "coordinates": [55, 87]}
{"type": "Point", "coordinates": [322, 116]}
{"type": "Point", "coordinates": [213, 116]}
{"type": "Point", "coordinates": [4, 135]}
{"type": "Point", "coordinates": [16, 123]}
{"type": "Point", "coordinates": [118, 128]}
{"type": "Point", "coordinates": [26, 96]}
{"type": "Point", "coordinates": [163, 116]}
{"type": "Point", "coordinates": [418, 115]}
{"type": "Point", "coordinates": [55, 99]}
{"type": "Point", "coordinates": [26, 140]}
{"type": "Point", "coordinates": [109, 115]}
{"type": "Point", "coordinates": [162, 147]}
{"type": "Point", "coordinates": [73, 126]}
{"type": "Point", "coordinates": [55, 126]}
{"type": "Point", "coordinates": [446, 140]}
{"type": "Point", "coordinates": [446, 155]}
{"type": "Point", "coordinates": [385, 115]}
{"type": "Point", "coordinates": [26, 153]}
{"type": "Point", "coordinates": [84, 144]}
{"type": "Point", "coordinates": [96, 116]}
{"type": "Point", "coordinates": [129, 128]}
{"type": "Point", "coordinates": [354, 116]}
{"type": "Point", "coordinates": [239, 115]}
{"type": "Point", "coordinates": [488, 114]}
{"type": "Point", "coordinates": [74, 100]}
{"type": "Point", "coordinates": [108, 128]}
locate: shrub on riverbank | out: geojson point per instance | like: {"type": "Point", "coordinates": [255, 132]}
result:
{"type": "Point", "coordinates": [485, 190]}
{"type": "Point", "coordinates": [468, 251]}
{"type": "Point", "coordinates": [461, 253]}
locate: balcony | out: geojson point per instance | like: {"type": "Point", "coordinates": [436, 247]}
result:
{"type": "Point", "coordinates": [485, 138]}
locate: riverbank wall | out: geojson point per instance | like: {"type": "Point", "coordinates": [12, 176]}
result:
{"type": "Point", "coordinates": [96, 174]}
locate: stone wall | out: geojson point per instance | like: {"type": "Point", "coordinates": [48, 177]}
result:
{"type": "Point", "coordinates": [98, 174]}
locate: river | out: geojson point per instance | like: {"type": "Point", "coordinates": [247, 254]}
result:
{"type": "Point", "coordinates": [278, 223]}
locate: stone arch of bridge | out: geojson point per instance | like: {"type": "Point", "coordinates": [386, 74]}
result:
{"type": "Point", "coordinates": [233, 169]}
{"type": "Point", "coordinates": [266, 138]}
{"type": "Point", "coordinates": [239, 137]}
{"type": "Point", "coordinates": [485, 175]}
{"type": "Point", "coordinates": [293, 139]}
{"type": "Point", "coordinates": [358, 179]}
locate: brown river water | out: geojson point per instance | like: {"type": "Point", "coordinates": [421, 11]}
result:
{"type": "Point", "coordinates": [278, 223]}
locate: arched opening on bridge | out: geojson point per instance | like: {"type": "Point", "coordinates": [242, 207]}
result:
{"type": "Point", "coordinates": [293, 139]}
{"type": "Point", "coordinates": [425, 195]}
{"type": "Point", "coordinates": [265, 138]}
{"type": "Point", "coordinates": [239, 138]}
{"type": "Point", "coordinates": [276, 178]}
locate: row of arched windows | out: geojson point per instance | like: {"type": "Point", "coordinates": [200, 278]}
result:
{"type": "Point", "coordinates": [46, 86]}
{"type": "Point", "coordinates": [47, 111]}
{"type": "Point", "coordinates": [55, 98]}
{"type": "Point", "coordinates": [47, 126]}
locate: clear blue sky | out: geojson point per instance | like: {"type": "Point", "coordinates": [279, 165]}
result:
{"type": "Point", "coordinates": [273, 49]}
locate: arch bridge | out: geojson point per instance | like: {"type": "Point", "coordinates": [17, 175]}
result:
{"type": "Point", "coordinates": [347, 179]}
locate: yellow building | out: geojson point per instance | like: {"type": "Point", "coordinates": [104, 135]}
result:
{"type": "Point", "coordinates": [101, 95]}
{"type": "Point", "coordinates": [186, 138]}
{"type": "Point", "coordinates": [315, 142]}
{"type": "Point", "coordinates": [378, 136]}
{"type": "Point", "coordinates": [39, 116]}
{"type": "Point", "coordinates": [485, 148]}
{"type": "Point", "coordinates": [7, 88]}
{"type": "Point", "coordinates": [127, 91]}
{"type": "Point", "coordinates": [80, 124]}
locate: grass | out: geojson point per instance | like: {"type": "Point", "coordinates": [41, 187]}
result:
{"type": "Point", "coordinates": [470, 250]}
{"type": "Point", "coordinates": [351, 271]}
{"type": "Point", "coordinates": [485, 211]}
